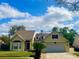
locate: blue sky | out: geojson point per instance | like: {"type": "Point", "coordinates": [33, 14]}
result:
{"type": "Point", "coordinates": [35, 15]}
{"type": "Point", "coordinates": [34, 7]}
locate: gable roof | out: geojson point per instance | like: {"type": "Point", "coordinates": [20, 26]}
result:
{"type": "Point", "coordinates": [25, 34]}
{"type": "Point", "coordinates": [52, 33]}
{"type": "Point", "coordinates": [47, 39]}
{"type": "Point", "coordinates": [43, 34]}
{"type": "Point", "coordinates": [40, 35]}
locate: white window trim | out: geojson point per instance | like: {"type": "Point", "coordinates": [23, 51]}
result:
{"type": "Point", "coordinates": [18, 44]}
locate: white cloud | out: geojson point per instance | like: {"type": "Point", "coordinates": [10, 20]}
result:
{"type": "Point", "coordinates": [61, 12]}
{"type": "Point", "coordinates": [76, 13]}
{"type": "Point", "coordinates": [51, 18]}
{"type": "Point", "coordinates": [6, 11]}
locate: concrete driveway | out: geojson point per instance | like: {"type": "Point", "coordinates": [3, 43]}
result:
{"type": "Point", "coordinates": [58, 56]}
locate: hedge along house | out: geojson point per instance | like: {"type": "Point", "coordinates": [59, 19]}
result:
{"type": "Point", "coordinates": [22, 40]}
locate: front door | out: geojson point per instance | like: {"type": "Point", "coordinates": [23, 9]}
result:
{"type": "Point", "coordinates": [27, 45]}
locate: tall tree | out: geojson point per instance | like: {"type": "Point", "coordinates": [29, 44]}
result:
{"type": "Point", "coordinates": [4, 44]}
{"type": "Point", "coordinates": [55, 29]}
{"type": "Point", "coordinates": [21, 27]}
{"type": "Point", "coordinates": [5, 38]}
{"type": "Point", "coordinates": [69, 34]}
{"type": "Point", "coordinates": [72, 5]}
{"type": "Point", "coordinates": [15, 28]}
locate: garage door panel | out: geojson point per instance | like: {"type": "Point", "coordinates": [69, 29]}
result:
{"type": "Point", "coordinates": [55, 48]}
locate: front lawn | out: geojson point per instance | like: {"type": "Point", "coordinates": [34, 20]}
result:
{"type": "Point", "coordinates": [12, 58]}
{"type": "Point", "coordinates": [15, 54]}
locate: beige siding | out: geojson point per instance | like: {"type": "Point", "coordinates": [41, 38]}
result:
{"type": "Point", "coordinates": [19, 39]}
{"type": "Point", "coordinates": [58, 42]}
{"type": "Point", "coordinates": [76, 42]}
{"type": "Point", "coordinates": [16, 38]}
{"type": "Point", "coordinates": [60, 39]}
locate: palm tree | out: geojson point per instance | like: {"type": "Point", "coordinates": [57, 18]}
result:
{"type": "Point", "coordinates": [38, 48]}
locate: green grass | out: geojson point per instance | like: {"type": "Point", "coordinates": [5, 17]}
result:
{"type": "Point", "coordinates": [12, 58]}
{"type": "Point", "coordinates": [15, 54]}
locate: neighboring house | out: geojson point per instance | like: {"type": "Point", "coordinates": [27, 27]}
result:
{"type": "Point", "coordinates": [76, 42]}
{"type": "Point", "coordinates": [22, 40]}
{"type": "Point", "coordinates": [55, 42]}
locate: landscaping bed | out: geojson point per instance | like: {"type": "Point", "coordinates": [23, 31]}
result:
{"type": "Point", "coordinates": [15, 54]}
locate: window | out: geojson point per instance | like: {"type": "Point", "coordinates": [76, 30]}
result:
{"type": "Point", "coordinates": [19, 45]}
{"type": "Point", "coordinates": [54, 36]}
{"type": "Point", "coordinates": [16, 45]}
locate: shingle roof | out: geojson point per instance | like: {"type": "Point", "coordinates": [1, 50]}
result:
{"type": "Point", "coordinates": [25, 34]}
{"type": "Point", "coordinates": [40, 35]}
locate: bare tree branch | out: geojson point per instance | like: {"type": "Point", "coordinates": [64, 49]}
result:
{"type": "Point", "coordinates": [73, 6]}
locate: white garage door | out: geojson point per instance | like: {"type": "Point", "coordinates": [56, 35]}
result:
{"type": "Point", "coordinates": [55, 48]}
